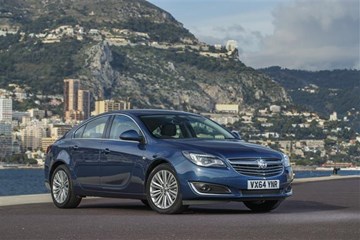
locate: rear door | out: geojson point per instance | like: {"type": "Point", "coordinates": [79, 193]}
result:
{"type": "Point", "coordinates": [86, 153]}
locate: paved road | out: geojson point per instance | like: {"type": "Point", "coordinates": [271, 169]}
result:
{"type": "Point", "coordinates": [318, 210]}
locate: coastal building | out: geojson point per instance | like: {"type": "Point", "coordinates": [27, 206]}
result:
{"type": "Point", "coordinates": [19, 115]}
{"type": "Point", "coordinates": [333, 117]}
{"type": "Point", "coordinates": [5, 127]}
{"type": "Point", "coordinates": [110, 105]}
{"type": "Point", "coordinates": [76, 101]}
{"type": "Point", "coordinates": [58, 130]}
{"type": "Point", "coordinates": [46, 142]}
{"type": "Point", "coordinates": [275, 108]}
{"type": "Point", "coordinates": [36, 113]}
{"type": "Point", "coordinates": [5, 109]}
{"type": "Point", "coordinates": [5, 139]}
{"type": "Point", "coordinates": [228, 108]}
{"type": "Point", "coordinates": [84, 103]}
{"type": "Point", "coordinates": [246, 119]}
{"type": "Point", "coordinates": [71, 88]}
{"type": "Point", "coordinates": [32, 134]}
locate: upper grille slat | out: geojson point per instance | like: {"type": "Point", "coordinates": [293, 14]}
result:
{"type": "Point", "coordinates": [251, 167]}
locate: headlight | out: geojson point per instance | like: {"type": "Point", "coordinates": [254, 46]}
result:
{"type": "Point", "coordinates": [204, 160]}
{"type": "Point", "coordinates": [286, 160]}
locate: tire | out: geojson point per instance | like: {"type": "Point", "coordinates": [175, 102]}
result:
{"type": "Point", "coordinates": [163, 190]}
{"type": "Point", "coordinates": [262, 206]}
{"type": "Point", "coordinates": [62, 191]}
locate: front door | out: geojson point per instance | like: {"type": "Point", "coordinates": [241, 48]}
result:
{"type": "Point", "coordinates": [121, 161]}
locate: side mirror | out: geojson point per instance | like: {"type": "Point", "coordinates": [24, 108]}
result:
{"type": "Point", "coordinates": [236, 134]}
{"type": "Point", "coordinates": [131, 135]}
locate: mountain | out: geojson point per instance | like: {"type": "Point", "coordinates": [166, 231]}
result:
{"type": "Point", "coordinates": [321, 91]}
{"type": "Point", "coordinates": [126, 49]}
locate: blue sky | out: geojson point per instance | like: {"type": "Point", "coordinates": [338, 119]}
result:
{"type": "Point", "coordinates": [297, 34]}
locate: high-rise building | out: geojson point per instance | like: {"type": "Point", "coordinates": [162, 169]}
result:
{"type": "Point", "coordinates": [5, 127]}
{"type": "Point", "coordinates": [5, 109]}
{"type": "Point", "coordinates": [76, 101]}
{"type": "Point", "coordinates": [71, 87]}
{"type": "Point", "coordinates": [5, 139]}
{"type": "Point", "coordinates": [110, 105]}
{"type": "Point", "coordinates": [84, 103]}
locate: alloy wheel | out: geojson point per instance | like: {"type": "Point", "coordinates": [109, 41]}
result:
{"type": "Point", "coordinates": [163, 189]}
{"type": "Point", "coordinates": [60, 186]}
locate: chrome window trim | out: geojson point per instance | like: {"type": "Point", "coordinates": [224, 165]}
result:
{"type": "Point", "coordinates": [132, 119]}
{"type": "Point", "coordinates": [85, 123]}
{"type": "Point", "coordinates": [109, 116]}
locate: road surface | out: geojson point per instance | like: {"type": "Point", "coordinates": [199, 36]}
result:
{"type": "Point", "coordinates": [318, 210]}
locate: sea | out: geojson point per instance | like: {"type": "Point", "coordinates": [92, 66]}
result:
{"type": "Point", "coordinates": [31, 181]}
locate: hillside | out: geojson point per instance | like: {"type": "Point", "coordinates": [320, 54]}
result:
{"type": "Point", "coordinates": [127, 49]}
{"type": "Point", "coordinates": [321, 91]}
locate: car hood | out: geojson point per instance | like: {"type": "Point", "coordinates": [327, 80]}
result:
{"type": "Point", "coordinates": [225, 148]}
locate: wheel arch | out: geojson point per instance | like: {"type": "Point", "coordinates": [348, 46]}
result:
{"type": "Point", "coordinates": [54, 166]}
{"type": "Point", "coordinates": [61, 158]}
{"type": "Point", "coordinates": [151, 167]}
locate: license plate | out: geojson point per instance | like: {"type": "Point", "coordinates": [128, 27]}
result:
{"type": "Point", "coordinates": [263, 184]}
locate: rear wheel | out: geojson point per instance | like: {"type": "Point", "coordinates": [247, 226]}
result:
{"type": "Point", "coordinates": [62, 191]}
{"type": "Point", "coordinates": [262, 205]}
{"type": "Point", "coordinates": [163, 192]}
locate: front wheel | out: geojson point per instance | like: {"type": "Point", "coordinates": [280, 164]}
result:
{"type": "Point", "coordinates": [162, 190]}
{"type": "Point", "coordinates": [62, 191]}
{"type": "Point", "coordinates": [262, 205]}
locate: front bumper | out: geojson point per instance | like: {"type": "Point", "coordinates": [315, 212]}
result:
{"type": "Point", "coordinates": [232, 180]}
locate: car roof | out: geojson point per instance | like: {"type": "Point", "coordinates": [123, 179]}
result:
{"type": "Point", "coordinates": [142, 112]}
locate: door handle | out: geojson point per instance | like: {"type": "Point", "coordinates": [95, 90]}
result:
{"type": "Point", "coordinates": [106, 151]}
{"type": "Point", "coordinates": [75, 147]}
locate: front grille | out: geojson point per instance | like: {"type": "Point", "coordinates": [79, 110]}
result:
{"type": "Point", "coordinates": [260, 167]}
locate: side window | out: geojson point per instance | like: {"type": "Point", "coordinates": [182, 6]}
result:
{"type": "Point", "coordinates": [122, 124]}
{"type": "Point", "coordinates": [95, 128]}
{"type": "Point", "coordinates": [79, 132]}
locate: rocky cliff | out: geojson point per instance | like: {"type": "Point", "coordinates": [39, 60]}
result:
{"type": "Point", "coordinates": [123, 49]}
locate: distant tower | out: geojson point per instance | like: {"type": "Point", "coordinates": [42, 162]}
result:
{"type": "Point", "coordinates": [71, 88]}
{"type": "Point", "coordinates": [5, 127]}
{"type": "Point", "coordinates": [76, 101]}
{"type": "Point", "coordinates": [84, 103]}
{"type": "Point", "coordinates": [5, 109]}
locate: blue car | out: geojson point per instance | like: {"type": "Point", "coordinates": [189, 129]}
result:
{"type": "Point", "coordinates": [167, 159]}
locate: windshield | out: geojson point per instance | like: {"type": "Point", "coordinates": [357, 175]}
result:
{"type": "Point", "coordinates": [180, 126]}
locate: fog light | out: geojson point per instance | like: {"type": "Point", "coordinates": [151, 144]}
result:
{"type": "Point", "coordinates": [209, 188]}
{"type": "Point", "coordinates": [205, 188]}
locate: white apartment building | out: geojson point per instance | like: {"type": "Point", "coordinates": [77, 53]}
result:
{"type": "Point", "coordinates": [5, 109]}
{"type": "Point", "coordinates": [32, 134]}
